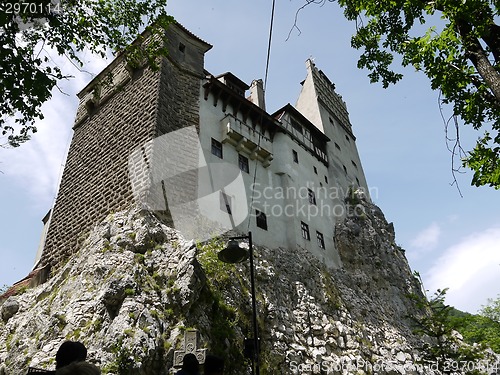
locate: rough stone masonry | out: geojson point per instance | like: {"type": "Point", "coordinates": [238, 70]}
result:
{"type": "Point", "coordinates": [95, 180]}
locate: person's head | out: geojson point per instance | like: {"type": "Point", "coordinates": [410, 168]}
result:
{"type": "Point", "coordinates": [79, 368]}
{"type": "Point", "coordinates": [70, 351]}
{"type": "Point", "coordinates": [213, 365]}
{"type": "Point", "coordinates": [190, 363]}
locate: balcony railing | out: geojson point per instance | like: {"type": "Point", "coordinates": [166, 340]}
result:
{"type": "Point", "coordinates": [247, 140]}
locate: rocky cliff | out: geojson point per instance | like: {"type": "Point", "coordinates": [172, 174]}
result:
{"type": "Point", "coordinates": [135, 287]}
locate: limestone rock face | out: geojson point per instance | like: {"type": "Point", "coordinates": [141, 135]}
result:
{"type": "Point", "coordinates": [9, 308]}
{"type": "Point", "coordinates": [135, 286]}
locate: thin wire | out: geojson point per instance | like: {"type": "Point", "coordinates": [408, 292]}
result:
{"type": "Point", "coordinates": [261, 116]}
{"type": "Point", "coordinates": [254, 177]}
{"type": "Point", "coordinates": [269, 44]}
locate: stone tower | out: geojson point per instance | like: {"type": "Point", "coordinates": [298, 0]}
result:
{"type": "Point", "coordinates": [95, 180]}
{"type": "Point", "coordinates": [326, 109]}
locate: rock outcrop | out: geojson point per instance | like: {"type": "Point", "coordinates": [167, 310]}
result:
{"type": "Point", "coordinates": [135, 286]}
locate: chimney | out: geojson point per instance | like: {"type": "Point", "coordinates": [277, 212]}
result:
{"type": "Point", "coordinates": [257, 93]}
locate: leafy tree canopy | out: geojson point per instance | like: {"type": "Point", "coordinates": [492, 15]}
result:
{"type": "Point", "coordinates": [492, 309]}
{"type": "Point", "coordinates": [456, 44]}
{"type": "Point", "coordinates": [476, 329]}
{"type": "Point", "coordinates": [32, 30]}
{"type": "Point", "coordinates": [443, 347]}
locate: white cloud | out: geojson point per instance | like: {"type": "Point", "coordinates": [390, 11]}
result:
{"type": "Point", "coordinates": [427, 239]}
{"type": "Point", "coordinates": [470, 269]}
{"type": "Point", "coordinates": [35, 166]}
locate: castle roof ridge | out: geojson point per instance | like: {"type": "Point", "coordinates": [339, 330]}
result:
{"type": "Point", "coordinates": [290, 108]}
{"type": "Point", "coordinates": [181, 26]}
{"type": "Point", "coordinates": [119, 56]}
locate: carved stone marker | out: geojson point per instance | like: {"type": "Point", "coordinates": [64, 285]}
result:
{"type": "Point", "coordinates": [191, 344]}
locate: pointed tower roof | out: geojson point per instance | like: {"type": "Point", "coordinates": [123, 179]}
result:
{"type": "Point", "coordinates": [318, 89]}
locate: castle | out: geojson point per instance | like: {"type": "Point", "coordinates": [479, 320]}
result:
{"type": "Point", "coordinates": [157, 139]}
{"type": "Point", "coordinates": [200, 153]}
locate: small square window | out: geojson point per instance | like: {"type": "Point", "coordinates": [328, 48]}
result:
{"type": "Point", "coordinates": [357, 181]}
{"type": "Point", "coordinates": [182, 47]}
{"type": "Point", "coordinates": [354, 164]}
{"type": "Point", "coordinates": [225, 203]}
{"type": "Point", "coordinates": [295, 156]}
{"type": "Point", "coordinates": [347, 138]}
{"type": "Point", "coordinates": [243, 163]}
{"type": "Point", "coordinates": [315, 170]}
{"type": "Point", "coordinates": [337, 146]}
{"type": "Point", "coordinates": [311, 196]}
{"type": "Point", "coordinates": [326, 179]}
{"type": "Point", "coordinates": [345, 169]}
{"type": "Point", "coordinates": [320, 239]}
{"type": "Point", "coordinates": [216, 148]}
{"type": "Point", "coordinates": [331, 121]}
{"type": "Point", "coordinates": [261, 219]}
{"type": "Point", "coordinates": [305, 231]}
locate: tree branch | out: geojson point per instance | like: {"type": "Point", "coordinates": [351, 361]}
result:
{"type": "Point", "coordinates": [456, 148]}
{"type": "Point", "coordinates": [308, 2]}
{"type": "Point", "coordinates": [492, 39]}
{"type": "Point", "coordinates": [477, 55]}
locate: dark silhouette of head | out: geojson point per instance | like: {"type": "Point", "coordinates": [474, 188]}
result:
{"type": "Point", "coordinates": [213, 365]}
{"type": "Point", "coordinates": [190, 363]}
{"type": "Point", "coordinates": [79, 368]}
{"type": "Point", "coordinates": [69, 352]}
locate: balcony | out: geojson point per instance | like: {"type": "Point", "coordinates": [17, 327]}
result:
{"type": "Point", "coordinates": [247, 140]}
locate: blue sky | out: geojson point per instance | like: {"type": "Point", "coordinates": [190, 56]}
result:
{"type": "Point", "coordinates": [452, 241]}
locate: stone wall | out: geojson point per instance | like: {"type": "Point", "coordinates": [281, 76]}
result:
{"type": "Point", "coordinates": [114, 119]}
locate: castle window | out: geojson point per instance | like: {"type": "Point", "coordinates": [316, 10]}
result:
{"type": "Point", "coordinates": [295, 156]}
{"type": "Point", "coordinates": [296, 126]}
{"type": "Point", "coordinates": [225, 203]}
{"type": "Point", "coordinates": [243, 163]}
{"type": "Point", "coordinates": [216, 148]}
{"type": "Point", "coordinates": [357, 181]}
{"type": "Point", "coordinates": [311, 196]}
{"type": "Point", "coordinates": [331, 121]}
{"type": "Point", "coordinates": [326, 179]}
{"type": "Point", "coordinates": [305, 231]}
{"type": "Point", "coordinates": [307, 135]}
{"type": "Point", "coordinates": [354, 164]}
{"type": "Point", "coordinates": [261, 219]}
{"type": "Point", "coordinates": [345, 169]}
{"type": "Point", "coordinates": [337, 147]}
{"type": "Point", "coordinates": [315, 170]}
{"type": "Point", "coordinates": [347, 138]}
{"type": "Point", "coordinates": [320, 239]}
{"type": "Point", "coordinates": [90, 106]}
{"type": "Point", "coordinates": [182, 47]}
